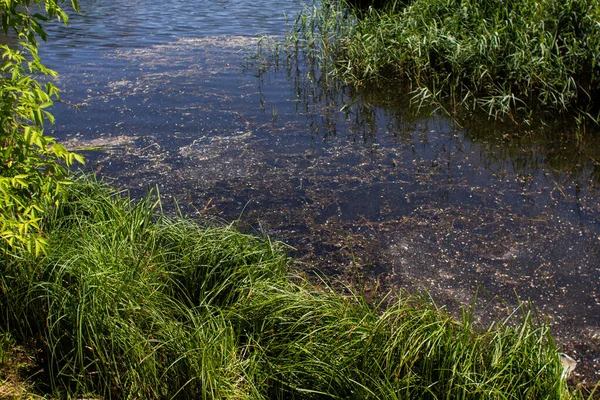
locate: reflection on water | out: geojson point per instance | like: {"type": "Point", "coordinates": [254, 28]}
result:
{"type": "Point", "coordinates": [357, 182]}
{"type": "Point", "coordinates": [8, 40]}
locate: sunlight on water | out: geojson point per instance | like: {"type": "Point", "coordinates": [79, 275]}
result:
{"type": "Point", "coordinates": [172, 94]}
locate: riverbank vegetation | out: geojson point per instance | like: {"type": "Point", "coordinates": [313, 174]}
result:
{"type": "Point", "coordinates": [128, 303]}
{"type": "Point", "coordinates": [101, 296]}
{"type": "Point", "coordinates": [516, 60]}
{"type": "Point", "coordinates": [32, 164]}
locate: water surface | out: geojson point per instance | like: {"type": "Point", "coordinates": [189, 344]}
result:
{"type": "Point", "coordinates": [357, 182]}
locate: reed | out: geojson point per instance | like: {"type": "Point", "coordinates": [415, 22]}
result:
{"type": "Point", "coordinates": [129, 303]}
{"type": "Point", "coordinates": [513, 59]}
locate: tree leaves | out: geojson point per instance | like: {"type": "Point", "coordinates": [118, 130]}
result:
{"type": "Point", "coordinates": [33, 167]}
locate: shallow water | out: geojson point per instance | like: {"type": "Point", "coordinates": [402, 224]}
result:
{"type": "Point", "coordinates": [172, 95]}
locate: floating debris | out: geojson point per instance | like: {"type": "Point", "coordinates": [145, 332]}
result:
{"type": "Point", "coordinates": [568, 364]}
{"type": "Point", "coordinates": [108, 143]}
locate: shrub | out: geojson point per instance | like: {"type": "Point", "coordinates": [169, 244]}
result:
{"type": "Point", "coordinates": [32, 165]}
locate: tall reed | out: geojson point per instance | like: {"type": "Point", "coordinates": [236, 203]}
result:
{"type": "Point", "coordinates": [510, 59]}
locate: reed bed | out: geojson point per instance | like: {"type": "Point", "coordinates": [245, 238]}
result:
{"type": "Point", "coordinates": [131, 304]}
{"type": "Point", "coordinates": [518, 60]}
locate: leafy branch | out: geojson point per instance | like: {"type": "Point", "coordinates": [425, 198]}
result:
{"type": "Point", "coordinates": [33, 166]}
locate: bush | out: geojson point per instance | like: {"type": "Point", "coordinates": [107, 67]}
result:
{"type": "Point", "coordinates": [32, 165]}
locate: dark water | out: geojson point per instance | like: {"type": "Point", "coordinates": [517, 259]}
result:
{"type": "Point", "coordinates": [174, 96]}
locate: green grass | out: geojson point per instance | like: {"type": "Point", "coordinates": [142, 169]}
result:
{"type": "Point", "coordinates": [515, 59]}
{"type": "Point", "coordinates": [131, 304]}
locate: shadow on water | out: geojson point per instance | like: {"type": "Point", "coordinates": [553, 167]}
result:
{"type": "Point", "coordinates": [358, 182]}
{"type": "Point", "coordinates": [9, 40]}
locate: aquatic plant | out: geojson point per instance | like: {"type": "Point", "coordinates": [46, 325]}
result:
{"type": "Point", "coordinates": [511, 59]}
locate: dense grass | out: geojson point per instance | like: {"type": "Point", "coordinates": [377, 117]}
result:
{"type": "Point", "coordinates": [131, 304]}
{"type": "Point", "coordinates": [510, 59]}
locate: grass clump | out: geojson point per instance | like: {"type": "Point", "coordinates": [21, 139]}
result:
{"type": "Point", "coordinates": [323, 344]}
{"type": "Point", "coordinates": [508, 58]}
{"type": "Point", "coordinates": [131, 304]}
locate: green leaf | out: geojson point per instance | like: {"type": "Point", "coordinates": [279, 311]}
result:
{"type": "Point", "coordinates": [32, 175]}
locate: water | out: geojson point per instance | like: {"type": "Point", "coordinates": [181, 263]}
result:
{"type": "Point", "coordinates": [171, 95]}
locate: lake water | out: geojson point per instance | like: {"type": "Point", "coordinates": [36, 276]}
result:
{"type": "Point", "coordinates": [174, 96]}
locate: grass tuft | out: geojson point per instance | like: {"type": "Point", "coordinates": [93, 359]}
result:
{"type": "Point", "coordinates": [131, 304]}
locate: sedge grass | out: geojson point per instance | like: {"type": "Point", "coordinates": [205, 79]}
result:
{"type": "Point", "coordinates": [116, 305]}
{"type": "Point", "coordinates": [323, 344]}
{"type": "Point", "coordinates": [510, 59]}
{"type": "Point", "coordinates": [131, 304]}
